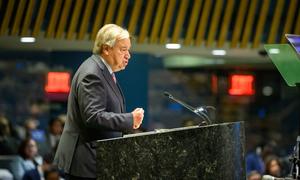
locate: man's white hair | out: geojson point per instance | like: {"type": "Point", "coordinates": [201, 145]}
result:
{"type": "Point", "coordinates": [108, 35]}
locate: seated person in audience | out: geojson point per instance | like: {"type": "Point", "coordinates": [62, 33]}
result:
{"type": "Point", "coordinates": [5, 174]}
{"type": "Point", "coordinates": [56, 126]}
{"type": "Point", "coordinates": [31, 163]}
{"type": "Point", "coordinates": [29, 124]}
{"type": "Point", "coordinates": [8, 143]}
{"type": "Point", "coordinates": [52, 136]}
{"type": "Point", "coordinates": [31, 130]}
{"type": "Point", "coordinates": [273, 166]}
{"type": "Point", "coordinates": [52, 174]}
{"type": "Point", "coordinates": [254, 161]}
{"type": "Point", "coordinates": [254, 175]}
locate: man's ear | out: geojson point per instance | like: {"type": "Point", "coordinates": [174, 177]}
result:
{"type": "Point", "coordinates": [105, 49]}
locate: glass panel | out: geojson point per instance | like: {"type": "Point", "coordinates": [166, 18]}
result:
{"type": "Point", "coordinates": [286, 61]}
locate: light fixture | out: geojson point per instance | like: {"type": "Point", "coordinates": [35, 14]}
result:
{"type": "Point", "coordinates": [173, 46]}
{"type": "Point", "coordinates": [219, 52]}
{"type": "Point", "coordinates": [27, 39]}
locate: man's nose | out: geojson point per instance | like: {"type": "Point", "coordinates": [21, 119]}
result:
{"type": "Point", "coordinates": [128, 55]}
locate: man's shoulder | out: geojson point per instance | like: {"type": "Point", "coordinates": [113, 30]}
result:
{"type": "Point", "coordinates": [89, 67]}
{"type": "Point", "coordinates": [92, 62]}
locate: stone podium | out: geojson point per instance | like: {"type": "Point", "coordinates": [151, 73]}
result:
{"type": "Point", "coordinates": [207, 152]}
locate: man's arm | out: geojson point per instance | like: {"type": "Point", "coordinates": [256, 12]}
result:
{"type": "Point", "coordinates": [92, 100]}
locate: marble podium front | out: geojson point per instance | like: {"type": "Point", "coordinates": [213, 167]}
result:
{"type": "Point", "coordinates": [208, 152]}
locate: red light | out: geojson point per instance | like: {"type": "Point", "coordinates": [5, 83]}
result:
{"type": "Point", "coordinates": [58, 82]}
{"type": "Point", "coordinates": [241, 85]}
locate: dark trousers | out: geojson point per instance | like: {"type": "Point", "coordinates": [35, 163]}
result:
{"type": "Point", "coordinates": [70, 177]}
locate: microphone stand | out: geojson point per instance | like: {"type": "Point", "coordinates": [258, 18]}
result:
{"type": "Point", "coordinates": [295, 169]}
{"type": "Point", "coordinates": [295, 159]}
{"type": "Point", "coordinates": [199, 111]}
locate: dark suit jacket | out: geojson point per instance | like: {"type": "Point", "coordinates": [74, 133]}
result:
{"type": "Point", "coordinates": [96, 110]}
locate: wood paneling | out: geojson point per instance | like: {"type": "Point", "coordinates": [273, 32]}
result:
{"type": "Point", "coordinates": [86, 19]}
{"type": "Point", "coordinates": [239, 23]}
{"type": "Point", "coordinates": [28, 18]}
{"type": "Point", "coordinates": [74, 20]}
{"type": "Point", "coordinates": [179, 21]}
{"type": "Point", "coordinates": [135, 16]}
{"type": "Point", "coordinates": [203, 23]}
{"type": "Point", "coordinates": [7, 17]}
{"type": "Point", "coordinates": [193, 22]}
{"type": "Point", "coordinates": [214, 23]}
{"type": "Point", "coordinates": [275, 22]}
{"type": "Point", "coordinates": [146, 21]}
{"type": "Point", "coordinates": [99, 18]}
{"type": "Point", "coordinates": [225, 23]}
{"type": "Point", "coordinates": [167, 21]}
{"type": "Point", "coordinates": [207, 23]}
{"type": "Point", "coordinates": [54, 18]}
{"type": "Point", "coordinates": [289, 20]}
{"type": "Point", "coordinates": [157, 21]}
{"type": "Point", "coordinates": [18, 17]}
{"type": "Point", "coordinates": [249, 24]}
{"type": "Point", "coordinates": [261, 23]}
{"type": "Point", "coordinates": [40, 17]}
{"type": "Point", "coordinates": [122, 12]}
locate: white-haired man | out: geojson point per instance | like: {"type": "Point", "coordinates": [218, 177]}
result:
{"type": "Point", "coordinates": [96, 105]}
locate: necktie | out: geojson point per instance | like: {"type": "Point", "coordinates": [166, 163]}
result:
{"type": "Point", "coordinates": [114, 77]}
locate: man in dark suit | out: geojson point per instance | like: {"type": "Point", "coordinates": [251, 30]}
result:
{"type": "Point", "coordinates": [96, 105]}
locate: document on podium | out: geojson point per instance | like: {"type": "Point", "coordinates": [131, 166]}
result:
{"type": "Point", "coordinates": [286, 61]}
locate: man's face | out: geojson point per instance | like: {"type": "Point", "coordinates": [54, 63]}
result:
{"type": "Point", "coordinates": [119, 54]}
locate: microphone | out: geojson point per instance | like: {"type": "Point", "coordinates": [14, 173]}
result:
{"type": "Point", "coordinates": [199, 111]}
{"type": "Point", "coordinates": [269, 177]}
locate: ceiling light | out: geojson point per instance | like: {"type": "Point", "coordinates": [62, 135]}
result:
{"type": "Point", "coordinates": [173, 46]}
{"type": "Point", "coordinates": [218, 52]}
{"type": "Point", "coordinates": [27, 39]}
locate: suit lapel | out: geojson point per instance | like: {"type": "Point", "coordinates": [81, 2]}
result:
{"type": "Point", "coordinates": [112, 84]}
{"type": "Point", "coordinates": [110, 80]}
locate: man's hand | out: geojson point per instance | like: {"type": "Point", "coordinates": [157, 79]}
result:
{"type": "Point", "coordinates": [138, 115]}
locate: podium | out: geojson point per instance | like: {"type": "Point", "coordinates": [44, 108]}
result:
{"type": "Point", "coordinates": [207, 152]}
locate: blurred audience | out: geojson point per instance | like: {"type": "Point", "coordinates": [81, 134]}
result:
{"type": "Point", "coordinates": [5, 175]}
{"type": "Point", "coordinates": [56, 126]}
{"type": "Point", "coordinates": [254, 161]}
{"type": "Point", "coordinates": [52, 174]}
{"type": "Point", "coordinates": [273, 166]}
{"type": "Point", "coordinates": [8, 143]}
{"type": "Point", "coordinates": [53, 134]}
{"type": "Point", "coordinates": [31, 164]}
{"type": "Point", "coordinates": [254, 175]}
{"type": "Point", "coordinates": [30, 125]}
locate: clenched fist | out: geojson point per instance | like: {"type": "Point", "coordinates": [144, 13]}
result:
{"type": "Point", "coordinates": [138, 116]}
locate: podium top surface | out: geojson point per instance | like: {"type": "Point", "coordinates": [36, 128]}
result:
{"type": "Point", "coordinates": [286, 61]}
{"type": "Point", "coordinates": [160, 131]}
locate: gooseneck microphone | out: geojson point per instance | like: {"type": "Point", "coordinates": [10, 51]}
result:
{"type": "Point", "coordinates": [199, 111]}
